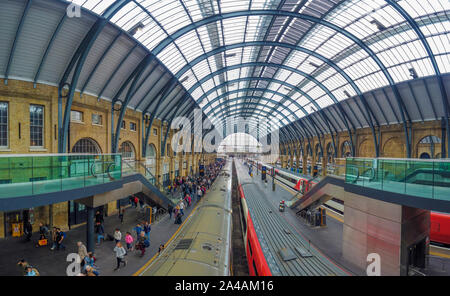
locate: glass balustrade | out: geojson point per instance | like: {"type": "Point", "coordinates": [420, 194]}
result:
{"type": "Point", "coordinates": [416, 177]}
{"type": "Point", "coordinates": [140, 167]}
{"type": "Point", "coordinates": [22, 175]}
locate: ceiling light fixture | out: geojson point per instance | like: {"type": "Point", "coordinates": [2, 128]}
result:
{"type": "Point", "coordinates": [136, 28]}
{"type": "Point", "coordinates": [379, 25]}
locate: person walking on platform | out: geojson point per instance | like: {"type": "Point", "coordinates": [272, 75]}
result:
{"type": "Point", "coordinates": [140, 245]}
{"type": "Point", "coordinates": [98, 217]}
{"type": "Point", "coordinates": [100, 232]}
{"type": "Point", "coordinates": [121, 214]}
{"type": "Point", "coordinates": [129, 240]}
{"type": "Point", "coordinates": [82, 253]}
{"type": "Point", "coordinates": [170, 210]}
{"type": "Point", "coordinates": [138, 230]}
{"type": "Point", "coordinates": [60, 236]}
{"type": "Point", "coordinates": [147, 229]}
{"type": "Point", "coordinates": [120, 254]}
{"type": "Point", "coordinates": [181, 203]}
{"type": "Point", "coordinates": [117, 235]}
{"type": "Point", "coordinates": [28, 230]}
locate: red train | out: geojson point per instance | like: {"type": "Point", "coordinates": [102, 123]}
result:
{"type": "Point", "coordinates": [440, 228]}
{"type": "Point", "coordinates": [439, 222]}
{"type": "Point", "coordinates": [257, 264]}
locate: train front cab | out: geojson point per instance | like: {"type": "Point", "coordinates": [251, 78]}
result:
{"type": "Point", "coordinates": [257, 264]}
{"type": "Point", "coordinates": [440, 228]}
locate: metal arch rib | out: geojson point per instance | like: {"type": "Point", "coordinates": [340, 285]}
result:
{"type": "Point", "coordinates": [425, 43]}
{"type": "Point", "coordinates": [310, 18]}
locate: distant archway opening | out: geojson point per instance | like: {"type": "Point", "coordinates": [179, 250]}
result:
{"type": "Point", "coordinates": [86, 145]}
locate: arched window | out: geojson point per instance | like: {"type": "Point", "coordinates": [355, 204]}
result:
{"type": "Point", "coordinates": [346, 149]}
{"type": "Point", "coordinates": [330, 153]}
{"type": "Point", "coordinates": [429, 147]}
{"type": "Point", "coordinates": [150, 157]}
{"type": "Point", "coordinates": [127, 150]}
{"type": "Point", "coordinates": [86, 145]}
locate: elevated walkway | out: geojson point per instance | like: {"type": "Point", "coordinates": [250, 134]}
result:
{"type": "Point", "coordinates": [36, 180]}
{"type": "Point", "coordinates": [423, 184]}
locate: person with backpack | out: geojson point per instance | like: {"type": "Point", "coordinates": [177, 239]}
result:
{"type": "Point", "coordinates": [178, 216]}
{"type": "Point", "coordinates": [142, 243]}
{"type": "Point", "coordinates": [120, 254]}
{"type": "Point", "coordinates": [60, 236]}
{"type": "Point", "coordinates": [138, 230]}
{"type": "Point", "coordinates": [147, 229]}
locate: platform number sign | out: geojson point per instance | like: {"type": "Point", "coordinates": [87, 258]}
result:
{"type": "Point", "coordinates": [263, 173]}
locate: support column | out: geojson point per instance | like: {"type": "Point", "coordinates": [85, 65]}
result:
{"type": "Point", "coordinates": [324, 165]}
{"type": "Point", "coordinates": [390, 230]}
{"type": "Point", "coordinates": [305, 164]}
{"type": "Point", "coordinates": [90, 240]}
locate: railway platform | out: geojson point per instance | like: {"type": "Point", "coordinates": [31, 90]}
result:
{"type": "Point", "coordinates": [53, 263]}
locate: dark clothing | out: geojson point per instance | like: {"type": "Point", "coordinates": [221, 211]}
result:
{"type": "Point", "coordinates": [99, 218]}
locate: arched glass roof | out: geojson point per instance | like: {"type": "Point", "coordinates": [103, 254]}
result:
{"type": "Point", "coordinates": [252, 57]}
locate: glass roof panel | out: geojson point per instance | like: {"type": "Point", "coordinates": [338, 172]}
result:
{"type": "Point", "coordinates": [376, 23]}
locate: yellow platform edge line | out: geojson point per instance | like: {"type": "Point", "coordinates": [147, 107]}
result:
{"type": "Point", "coordinates": [167, 243]}
{"type": "Point", "coordinates": [439, 254]}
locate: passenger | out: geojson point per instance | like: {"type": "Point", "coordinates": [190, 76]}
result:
{"type": "Point", "coordinates": [83, 253]}
{"type": "Point", "coordinates": [60, 236]}
{"type": "Point", "coordinates": [178, 219]}
{"type": "Point", "coordinates": [138, 230]}
{"type": "Point", "coordinates": [161, 248]}
{"type": "Point", "coordinates": [23, 265]}
{"type": "Point", "coordinates": [120, 254]}
{"type": "Point", "coordinates": [117, 235]}
{"type": "Point", "coordinates": [89, 260]}
{"type": "Point", "coordinates": [141, 244]}
{"type": "Point", "coordinates": [170, 210]}
{"type": "Point", "coordinates": [98, 217]}
{"type": "Point", "coordinates": [100, 232]}
{"type": "Point", "coordinates": [147, 229]}
{"type": "Point", "coordinates": [136, 201]}
{"type": "Point", "coordinates": [32, 271]}
{"type": "Point", "coordinates": [181, 204]}
{"type": "Point", "coordinates": [121, 214]}
{"type": "Point", "coordinates": [129, 240]}
{"type": "Point", "coordinates": [43, 231]}
{"type": "Point", "coordinates": [54, 244]}
{"type": "Point", "coordinates": [90, 271]}
{"type": "Point", "coordinates": [28, 230]}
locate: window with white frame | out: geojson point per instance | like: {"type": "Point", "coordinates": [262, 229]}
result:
{"type": "Point", "coordinates": [76, 116]}
{"type": "Point", "coordinates": [97, 119]}
{"type": "Point", "coordinates": [36, 126]}
{"type": "Point", "coordinates": [3, 124]}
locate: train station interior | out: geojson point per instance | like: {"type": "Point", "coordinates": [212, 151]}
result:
{"type": "Point", "coordinates": [224, 138]}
